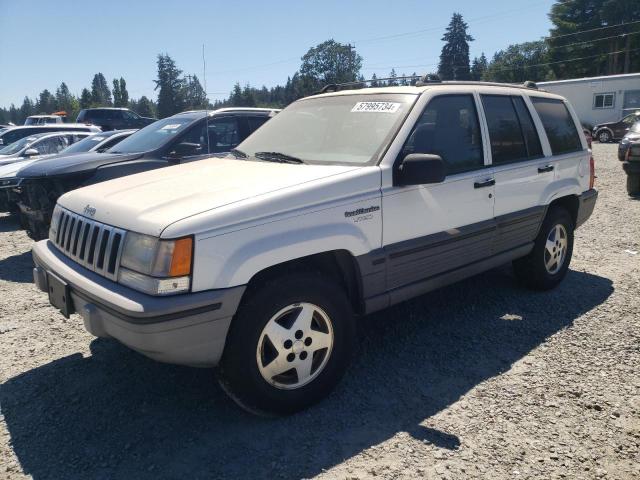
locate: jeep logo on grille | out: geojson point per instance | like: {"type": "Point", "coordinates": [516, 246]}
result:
{"type": "Point", "coordinates": [89, 210]}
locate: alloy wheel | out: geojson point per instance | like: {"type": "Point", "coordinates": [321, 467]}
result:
{"type": "Point", "coordinates": [294, 346]}
{"type": "Point", "coordinates": [555, 251]}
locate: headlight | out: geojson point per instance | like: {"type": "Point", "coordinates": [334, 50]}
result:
{"type": "Point", "coordinates": [55, 223]}
{"type": "Point", "coordinates": [155, 266]}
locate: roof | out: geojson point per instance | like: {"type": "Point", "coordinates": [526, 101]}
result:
{"type": "Point", "coordinates": [106, 108]}
{"type": "Point", "coordinates": [622, 76]}
{"type": "Point", "coordinates": [218, 111]}
{"type": "Point", "coordinates": [70, 126]}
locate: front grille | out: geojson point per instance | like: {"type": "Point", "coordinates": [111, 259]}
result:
{"type": "Point", "coordinates": [92, 244]}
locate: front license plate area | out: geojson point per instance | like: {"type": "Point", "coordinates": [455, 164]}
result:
{"type": "Point", "coordinates": [59, 294]}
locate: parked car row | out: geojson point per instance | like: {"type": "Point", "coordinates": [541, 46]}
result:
{"type": "Point", "coordinates": [614, 131]}
{"type": "Point", "coordinates": [257, 261]}
{"type": "Point", "coordinates": [32, 188]}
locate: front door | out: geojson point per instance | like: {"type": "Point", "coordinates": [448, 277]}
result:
{"type": "Point", "coordinates": [433, 229]}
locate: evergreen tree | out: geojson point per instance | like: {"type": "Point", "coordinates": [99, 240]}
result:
{"type": "Point", "coordinates": [478, 67]}
{"type": "Point", "coordinates": [26, 109]}
{"type": "Point", "coordinates": [374, 81]}
{"type": "Point", "coordinates": [595, 52]}
{"type": "Point", "coordinates": [170, 87]}
{"type": "Point", "coordinates": [518, 63]}
{"type": "Point", "coordinates": [248, 97]}
{"type": "Point", "coordinates": [66, 101]}
{"type": "Point", "coordinates": [100, 93]}
{"type": "Point", "coordinates": [195, 96]}
{"type": "Point", "coordinates": [454, 59]}
{"type": "Point", "coordinates": [124, 94]}
{"type": "Point", "coordinates": [145, 107]}
{"type": "Point", "coordinates": [393, 82]}
{"type": "Point", "coordinates": [85, 98]}
{"type": "Point", "coordinates": [46, 102]}
{"type": "Point", "coordinates": [117, 99]}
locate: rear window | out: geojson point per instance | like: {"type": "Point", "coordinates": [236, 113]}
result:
{"type": "Point", "coordinates": [558, 124]}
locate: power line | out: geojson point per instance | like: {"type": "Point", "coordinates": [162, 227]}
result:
{"type": "Point", "coordinates": [591, 30]}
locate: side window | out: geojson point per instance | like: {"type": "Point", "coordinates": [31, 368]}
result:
{"type": "Point", "coordinates": [255, 123]}
{"type": "Point", "coordinates": [224, 134]}
{"type": "Point", "coordinates": [47, 146]}
{"type": "Point", "coordinates": [531, 138]}
{"type": "Point", "coordinates": [194, 142]}
{"type": "Point", "coordinates": [511, 131]}
{"type": "Point", "coordinates": [110, 143]}
{"type": "Point", "coordinates": [129, 115]}
{"type": "Point", "coordinates": [558, 124]}
{"type": "Point", "coordinates": [449, 127]}
{"type": "Point", "coordinates": [507, 141]}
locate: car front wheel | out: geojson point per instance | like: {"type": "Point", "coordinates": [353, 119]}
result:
{"type": "Point", "coordinates": [288, 345]}
{"type": "Point", "coordinates": [604, 136]}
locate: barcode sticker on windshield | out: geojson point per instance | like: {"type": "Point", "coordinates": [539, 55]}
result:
{"type": "Point", "coordinates": [376, 107]}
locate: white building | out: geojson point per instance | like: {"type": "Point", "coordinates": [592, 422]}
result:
{"type": "Point", "coordinates": [599, 99]}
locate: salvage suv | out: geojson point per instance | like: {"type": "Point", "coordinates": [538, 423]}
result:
{"type": "Point", "coordinates": [345, 203]}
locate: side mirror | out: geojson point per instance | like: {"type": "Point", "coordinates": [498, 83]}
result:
{"type": "Point", "coordinates": [421, 168]}
{"type": "Point", "coordinates": [30, 152]}
{"type": "Point", "coordinates": [185, 149]}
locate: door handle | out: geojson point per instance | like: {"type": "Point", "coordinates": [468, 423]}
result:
{"type": "Point", "coordinates": [546, 168]}
{"type": "Point", "coordinates": [486, 183]}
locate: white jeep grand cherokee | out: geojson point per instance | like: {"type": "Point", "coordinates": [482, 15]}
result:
{"type": "Point", "coordinates": [345, 203]}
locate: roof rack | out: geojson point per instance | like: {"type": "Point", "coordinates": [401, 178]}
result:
{"type": "Point", "coordinates": [424, 80]}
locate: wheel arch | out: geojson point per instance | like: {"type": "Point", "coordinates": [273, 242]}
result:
{"type": "Point", "coordinates": [571, 203]}
{"type": "Point", "coordinates": [339, 265]}
{"type": "Point", "coordinates": [604, 128]}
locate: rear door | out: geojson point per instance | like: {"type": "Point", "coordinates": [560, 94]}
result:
{"type": "Point", "coordinates": [521, 170]}
{"type": "Point", "coordinates": [225, 133]}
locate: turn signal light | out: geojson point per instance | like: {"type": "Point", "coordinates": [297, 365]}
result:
{"type": "Point", "coordinates": [181, 258]}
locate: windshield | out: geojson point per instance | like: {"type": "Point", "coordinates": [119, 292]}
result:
{"type": "Point", "coordinates": [153, 136]}
{"type": "Point", "coordinates": [84, 145]}
{"type": "Point", "coordinates": [342, 129]}
{"type": "Point", "coordinates": [15, 147]}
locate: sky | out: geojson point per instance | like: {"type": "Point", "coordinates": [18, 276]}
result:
{"type": "Point", "coordinates": [46, 42]}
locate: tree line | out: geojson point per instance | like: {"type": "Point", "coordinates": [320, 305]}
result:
{"type": "Point", "coordinates": [588, 38]}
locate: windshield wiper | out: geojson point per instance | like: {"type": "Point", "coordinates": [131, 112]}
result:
{"type": "Point", "coordinates": [238, 153]}
{"type": "Point", "coordinates": [277, 157]}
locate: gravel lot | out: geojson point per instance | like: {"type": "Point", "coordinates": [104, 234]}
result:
{"type": "Point", "coordinates": [482, 379]}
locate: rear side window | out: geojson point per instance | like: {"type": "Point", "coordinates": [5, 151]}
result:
{"type": "Point", "coordinates": [558, 124]}
{"type": "Point", "coordinates": [449, 127]}
{"type": "Point", "coordinates": [511, 131]}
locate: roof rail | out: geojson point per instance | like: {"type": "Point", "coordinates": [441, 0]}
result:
{"type": "Point", "coordinates": [334, 87]}
{"type": "Point", "coordinates": [424, 80]}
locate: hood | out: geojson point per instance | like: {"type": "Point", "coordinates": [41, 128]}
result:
{"type": "Point", "coordinates": [9, 171]}
{"type": "Point", "coordinates": [74, 164]}
{"type": "Point", "coordinates": [150, 201]}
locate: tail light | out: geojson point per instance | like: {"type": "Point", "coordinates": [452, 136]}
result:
{"type": "Point", "coordinates": [592, 172]}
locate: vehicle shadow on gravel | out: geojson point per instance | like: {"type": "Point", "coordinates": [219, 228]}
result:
{"type": "Point", "coordinates": [116, 414]}
{"type": "Point", "coordinates": [17, 268]}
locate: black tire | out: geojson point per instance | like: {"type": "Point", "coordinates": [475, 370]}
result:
{"type": "Point", "coordinates": [238, 372]}
{"type": "Point", "coordinates": [604, 136]}
{"type": "Point", "coordinates": [633, 184]}
{"type": "Point", "coordinates": [531, 270]}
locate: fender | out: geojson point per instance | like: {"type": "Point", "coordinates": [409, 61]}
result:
{"type": "Point", "coordinates": [233, 259]}
{"type": "Point", "coordinates": [560, 188]}
{"type": "Point", "coordinates": [605, 128]}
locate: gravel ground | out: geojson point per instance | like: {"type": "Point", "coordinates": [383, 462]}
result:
{"type": "Point", "coordinates": [482, 379]}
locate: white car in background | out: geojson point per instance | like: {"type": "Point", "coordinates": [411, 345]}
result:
{"type": "Point", "coordinates": [39, 145]}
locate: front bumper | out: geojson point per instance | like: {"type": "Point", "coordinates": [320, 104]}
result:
{"type": "Point", "coordinates": [587, 202]}
{"type": "Point", "coordinates": [187, 329]}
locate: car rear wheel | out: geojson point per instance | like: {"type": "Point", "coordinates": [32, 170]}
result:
{"type": "Point", "coordinates": [604, 136]}
{"type": "Point", "coordinates": [548, 262]}
{"type": "Point", "coordinates": [288, 345]}
{"type": "Point", "coordinates": [633, 184]}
